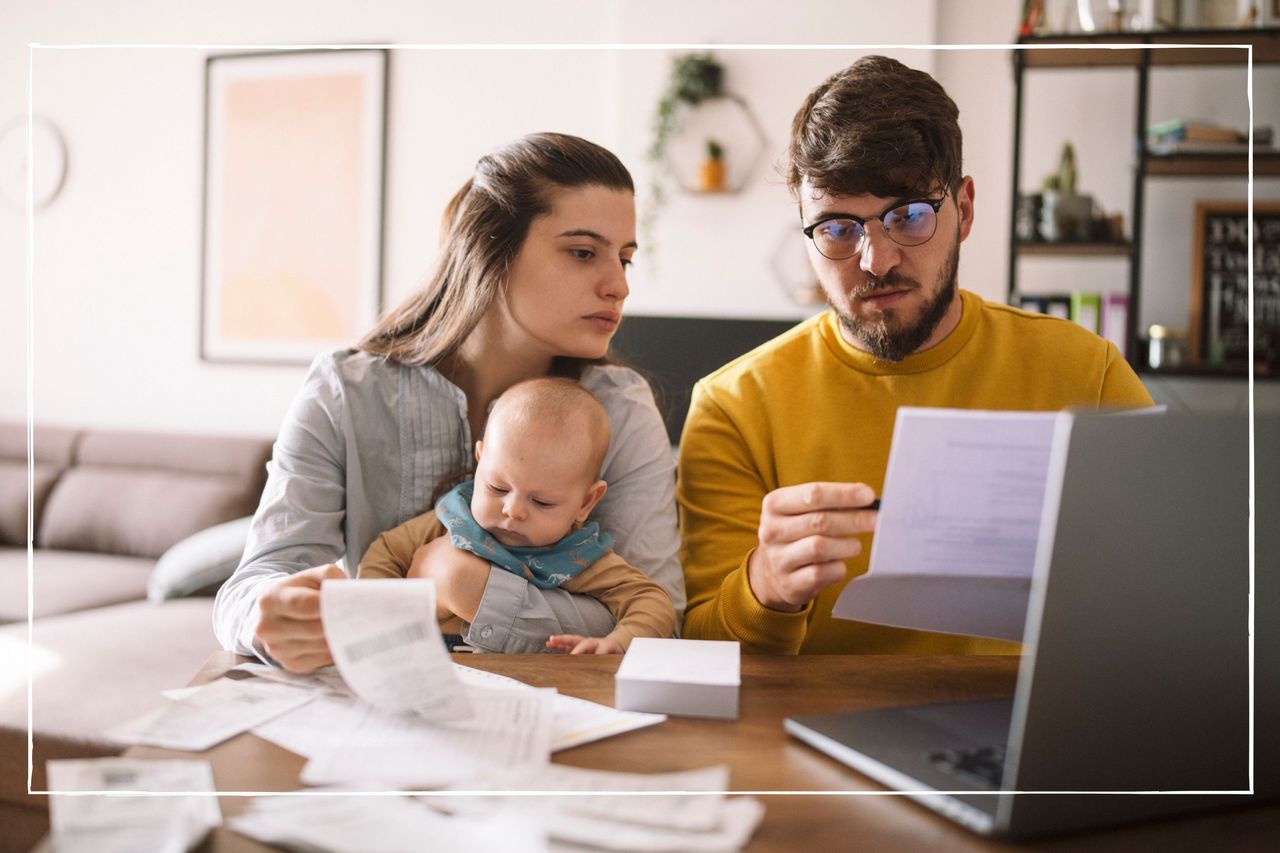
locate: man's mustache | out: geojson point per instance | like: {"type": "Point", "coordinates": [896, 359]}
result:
{"type": "Point", "coordinates": [892, 281]}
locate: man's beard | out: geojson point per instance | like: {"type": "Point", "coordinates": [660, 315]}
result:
{"type": "Point", "coordinates": [894, 344]}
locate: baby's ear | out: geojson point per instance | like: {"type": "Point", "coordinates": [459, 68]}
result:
{"type": "Point", "coordinates": [594, 493]}
{"type": "Point", "coordinates": [479, 448]}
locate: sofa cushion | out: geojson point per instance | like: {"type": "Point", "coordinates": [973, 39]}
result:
{"type": "Point", "coordinates": [52, 449]}
{"type": "Point", "coordinates": [67, 581]}
{"type": "Point", "coordinates": [93, 670]}
{"type": "Point", "coordinates": [200, 563]}
{"type": "Point", "coordinates": [139, 494]}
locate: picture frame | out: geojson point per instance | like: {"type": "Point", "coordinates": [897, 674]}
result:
{"type": "Point", "coordinates": [1219, 286]}
{"type": "Point", "coordinates": [295, 144]}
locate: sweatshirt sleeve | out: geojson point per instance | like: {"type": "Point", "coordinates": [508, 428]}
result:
{"type": "Point", "coordinates": [719, 493]}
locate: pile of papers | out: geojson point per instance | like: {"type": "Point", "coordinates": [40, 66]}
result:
{"type": "Point", "coordinates": [106, 822]}
{"type": "Point", "coordinates": [397, 715]}
{"type": "Point", "coordinates": [698, 818]}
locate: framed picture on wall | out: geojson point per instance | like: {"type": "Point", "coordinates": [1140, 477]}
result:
{"type": "Point", "coordinates": [293, 201]}
{"type": "Point", "coordinates": [1220, 285]}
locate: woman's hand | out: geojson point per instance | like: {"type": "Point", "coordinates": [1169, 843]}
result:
{"type": "Point", "coordinates": [806, 533]}
{"type": "Point", "coordinates": [289, 626]}
{"type": "Point", "coordinates": [576, 645]}
{"type": "Point", "coordinates": [460, 576]}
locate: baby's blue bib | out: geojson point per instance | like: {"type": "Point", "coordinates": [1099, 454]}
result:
{"type": "Point", "coordinates": [546, 566]}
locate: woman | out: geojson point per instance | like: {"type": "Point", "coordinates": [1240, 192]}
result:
{"type": "Point", "coordinates": [531, 282]}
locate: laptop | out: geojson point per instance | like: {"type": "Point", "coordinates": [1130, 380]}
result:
{"type": "Point", "coordinates": [1135, 670]}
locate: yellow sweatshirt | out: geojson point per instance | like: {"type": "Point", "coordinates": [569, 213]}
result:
{"type": "Point", "coordinates": [807, 406]}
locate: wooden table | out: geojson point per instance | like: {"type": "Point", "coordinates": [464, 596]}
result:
{"type": "Point", "coordinates": [762, 757]}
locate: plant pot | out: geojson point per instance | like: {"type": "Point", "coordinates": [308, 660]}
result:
{"type": "Point", "coordinates": [711, 175]}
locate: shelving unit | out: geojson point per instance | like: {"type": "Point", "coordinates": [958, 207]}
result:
{"type": "Point", "coordinates": [1060, 52]}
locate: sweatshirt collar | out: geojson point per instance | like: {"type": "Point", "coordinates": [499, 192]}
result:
{"type": "Point", "coordinates": [829, 328]}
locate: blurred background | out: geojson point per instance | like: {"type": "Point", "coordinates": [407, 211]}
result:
{"type": "Point", "coordinates": [116, 259]}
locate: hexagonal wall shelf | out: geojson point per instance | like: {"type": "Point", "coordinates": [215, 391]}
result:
{"type": "Point", "coordinates": [791, 268]}
{"type": "Point", "coordinates": [729, 123]}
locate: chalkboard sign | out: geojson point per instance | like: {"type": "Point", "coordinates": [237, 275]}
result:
{"type": "Point", "coordinates": [1220, 286]}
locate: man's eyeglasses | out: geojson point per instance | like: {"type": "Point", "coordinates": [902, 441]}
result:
{"type": "Point", "coordinates": [907, 223]}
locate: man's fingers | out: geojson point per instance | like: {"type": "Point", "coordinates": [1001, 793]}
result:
{"type": "Point", "coordinates": [831, 522]}
{"type": "Point", "coordinates": [804, 584]}
{"type": "Point", "coordinates": [814, 550]}
{"type": "Point", "coordinates": [809, 497]}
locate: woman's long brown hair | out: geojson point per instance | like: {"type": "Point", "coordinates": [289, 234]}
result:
{"type": "Point", "coordinates": [483, 228]}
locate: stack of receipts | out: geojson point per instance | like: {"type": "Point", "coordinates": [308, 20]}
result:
{"type": "Point", "coordinates": [395, 713]}
{"type": "Point", "coordinates": [108, 820]}
{"type": "Point", "coordinates": [673, 812]}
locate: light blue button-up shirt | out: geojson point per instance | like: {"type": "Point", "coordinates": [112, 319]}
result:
{"type": "Point", "coordinates": [363, 448]}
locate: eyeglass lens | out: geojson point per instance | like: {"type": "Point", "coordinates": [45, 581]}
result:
{"type": "Point", "coordinates": [908, 225]}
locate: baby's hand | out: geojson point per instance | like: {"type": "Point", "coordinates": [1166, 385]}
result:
{"type": "Point", "coordinates": [576, 645]}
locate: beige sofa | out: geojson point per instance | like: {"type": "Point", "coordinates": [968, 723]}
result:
{"type": "Point", "coordinates": [114, 514]}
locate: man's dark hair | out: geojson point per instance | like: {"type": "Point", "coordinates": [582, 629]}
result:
{"type": "Point", "coordinates": [877, 127]}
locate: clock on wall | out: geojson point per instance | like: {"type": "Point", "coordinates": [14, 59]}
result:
{"type": "Point", "coordinates": [50, 159]}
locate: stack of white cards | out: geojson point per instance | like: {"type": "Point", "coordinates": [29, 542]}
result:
{"type": "Point", "coordinates": [696, 678]}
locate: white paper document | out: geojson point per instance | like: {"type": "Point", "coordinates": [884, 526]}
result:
{"type": "Point", "coordinates": [508, 728]}
{"type": "Point", "coordinates": [211, 714]}
{"type": "Point", "coordinates": [738, 820]}
{"type": "Point", "coordinates": [666, 804]}
{"type": "Point", "coordinates": [380, 824]}
{"type": "Point", "coordinates": [576, 721]}
{"type": "Point", "coordinates": [311, 729]}
{"type": "Point", "coordinates": [387, 645]}
{"type": "Point", "coordinates": [327, 678]}
{"type": "Point", "coordinates": [963, 493]}
{"type": "Point", "coordinates": [104, 824]}
{"type": "Point", "coordinates": [683, 811]}
{"type": "Point", "coordinates": [960, 515]}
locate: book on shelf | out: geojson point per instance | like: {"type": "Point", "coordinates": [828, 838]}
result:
{"type": "Point", "coordinates": [1161, 148]}
{"type": "Point", "coordinates": [1086, 310]}
{"type": "Point", "coordinates": [1188, 130]}
{"type": "Point", "coordinates": [1115, 320]}
{"type": "Point", "coordinates": [1053, 304]}
{"type": "Point", "coordinates": [1105, 314]}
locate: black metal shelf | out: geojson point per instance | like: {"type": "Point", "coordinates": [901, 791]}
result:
{"type": "Point", "coordinates": [1141, 52]}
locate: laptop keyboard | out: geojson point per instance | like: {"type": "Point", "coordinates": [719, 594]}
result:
{"type": "Point", "coordinates": [980, 767]}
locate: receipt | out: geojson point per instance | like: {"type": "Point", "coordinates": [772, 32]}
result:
{"type": "Point", "coordinates": [384, 638]}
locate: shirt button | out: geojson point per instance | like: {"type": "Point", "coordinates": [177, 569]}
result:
{"type": "Point", "coordinates": [486, 632]}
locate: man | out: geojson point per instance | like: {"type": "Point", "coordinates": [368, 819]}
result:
{"type": "Point", "coordinates": [785, 447]}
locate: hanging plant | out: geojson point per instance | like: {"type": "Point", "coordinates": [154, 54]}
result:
{"type": "Point", "coordinates": [694, 78]}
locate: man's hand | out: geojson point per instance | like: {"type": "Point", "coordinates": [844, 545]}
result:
{"type": "Point", "coordinates": [576, 645]}
{"type": "Point", "coordinates": [460, 576]}
{"type": "Point", "coordinates": [805, 536]}
{"type": "Point", "coordinates": [289, 620]}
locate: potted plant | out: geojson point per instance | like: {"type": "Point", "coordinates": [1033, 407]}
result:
{"type": "Point", "coordinates": [695, 77]}
{"type": "Point", "coordinates": [711, 172]}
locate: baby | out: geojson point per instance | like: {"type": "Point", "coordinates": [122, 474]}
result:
{"type": "Point", "coordinates": [536, 481]}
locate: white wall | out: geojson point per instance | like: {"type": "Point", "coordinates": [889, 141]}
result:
{"type": "Point", "coordinates": [117, 256]}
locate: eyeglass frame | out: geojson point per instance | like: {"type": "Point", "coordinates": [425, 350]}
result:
{"type": "Point", "coordinates": [936, 204]}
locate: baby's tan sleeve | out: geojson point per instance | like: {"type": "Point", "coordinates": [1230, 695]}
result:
{"type": "Point", "coordinates": [640, 607]}
{"type": "Point", "coordinates": [391, 554]}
